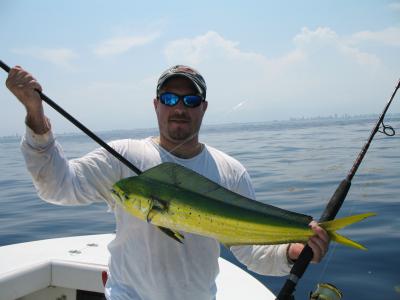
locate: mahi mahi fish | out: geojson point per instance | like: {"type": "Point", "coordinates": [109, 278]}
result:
{"type": "Point", "coordinates": [177, 200]}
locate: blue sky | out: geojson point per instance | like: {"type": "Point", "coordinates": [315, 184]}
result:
{"type": "Point", "coordinates": [262, 60]}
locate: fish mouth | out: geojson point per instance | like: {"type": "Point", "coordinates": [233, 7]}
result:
{"type": "Point", "coordinates": [115, 195]}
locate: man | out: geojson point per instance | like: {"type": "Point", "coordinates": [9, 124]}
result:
{"type": "Point", "coordinates": [145, 263]}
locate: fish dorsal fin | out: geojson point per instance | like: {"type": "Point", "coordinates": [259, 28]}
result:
{"type": "Point", "coordinates": [184, 178]}
{"type": "Point", "coordinates": [179, 176]}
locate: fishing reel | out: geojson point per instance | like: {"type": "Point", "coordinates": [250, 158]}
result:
{"type": "Point", "coordinates": [326, 291]}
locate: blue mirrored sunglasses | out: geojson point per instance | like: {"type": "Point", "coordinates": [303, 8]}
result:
{"type": "Point", "coordinates": [171, 99]}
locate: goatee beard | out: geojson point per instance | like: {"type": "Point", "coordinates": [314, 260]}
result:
{"type": "Point", "coordinates": [181, 135]}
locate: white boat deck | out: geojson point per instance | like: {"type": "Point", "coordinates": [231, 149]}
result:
{"type": "Point", "coordinates": [77, 263]}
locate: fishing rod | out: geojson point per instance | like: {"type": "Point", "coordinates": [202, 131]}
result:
{"type": "Point", "coordinates": [333, 206]}
{"type": "Point", "coordinates": [81, 127]}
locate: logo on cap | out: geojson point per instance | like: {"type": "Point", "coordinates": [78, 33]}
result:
{"type": "Point", "coordinates": [184, 69]}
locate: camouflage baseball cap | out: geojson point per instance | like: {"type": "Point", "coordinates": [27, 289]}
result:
{"type": "Point", "coordinates": [187, 72]}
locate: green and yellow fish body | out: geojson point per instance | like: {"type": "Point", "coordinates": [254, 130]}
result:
{"type": "Point", "coordinates": [177, 200]}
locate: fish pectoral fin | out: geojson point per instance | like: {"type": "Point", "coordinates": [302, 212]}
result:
{"type": "Point", "coordinates": [172, 234]}
{"type": "Point", "coordinates": [157, 206]}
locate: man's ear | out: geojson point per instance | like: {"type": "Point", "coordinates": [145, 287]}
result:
{"type": "Point", "coordinates": [205, 105]}
{"type": "Point", "coordinates": [155, 103]}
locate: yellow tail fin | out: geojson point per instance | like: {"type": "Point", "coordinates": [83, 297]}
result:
{"type": "Point", "coordinates": [332, 226]}
{"type": "Point", "coordinates": [345, 241]}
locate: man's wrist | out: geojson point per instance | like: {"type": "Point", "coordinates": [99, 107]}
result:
{"type": "Point", "coordinates": [38, 122]}
{"type": "Point", "coordinates": [289, 259]}
{"type": "Point", "coordinates": [38, 141]}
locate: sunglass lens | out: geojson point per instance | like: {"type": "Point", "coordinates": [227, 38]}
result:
{"type": "Point", "coordinates": [169, 99]}
{"type": "Point", "coordinates": [192, 100]}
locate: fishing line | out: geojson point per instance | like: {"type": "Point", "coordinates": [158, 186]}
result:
{"type": "Point", "coordinates": [197, 133]}
{"type": "Point", "coordinates": [334, 205]}
{"type": "Point", "coordinates": [332, 251]}
{"type": "Point", "coordinates": [328, 260]}
{"type": "Point", "coordinates": [170, 152]}
{"type": "Point", "coordinates": [174, 157]}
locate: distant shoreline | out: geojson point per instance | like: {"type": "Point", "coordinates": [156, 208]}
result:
{"type": "Point", "coordinates": [212, 125]}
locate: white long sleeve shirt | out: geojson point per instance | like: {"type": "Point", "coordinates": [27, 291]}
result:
{"type": "Point", "coordinates": [145, 263]}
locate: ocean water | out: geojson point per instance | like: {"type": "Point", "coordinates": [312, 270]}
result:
{"type": "Point", "coordinates": [295, 165]}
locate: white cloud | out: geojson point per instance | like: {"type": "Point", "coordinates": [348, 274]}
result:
{"type": "Point", "coordinates": [395, 6]}
{"type": "Point", "coordinates": [61, 57]}
{"type": "Point", "coordinates": [320, 74]}
{"type": "Point", "coordinates": [211, 45]}
{"type": "Point", "coordinates": [322, 36]}
{"type": "Point", "coordinates": [118, 45]}
{"type": "Point", "coordinates": [324, 39]}
{"type": "Point", "coordinates": [362, 58]}
{"type": "Point", "coordinates": [389, 36]}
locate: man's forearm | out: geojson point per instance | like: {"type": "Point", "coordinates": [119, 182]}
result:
{"type": "Point", "coordinates": [37, 121]}
{"type": "Point", "coordinates": [264, 259]}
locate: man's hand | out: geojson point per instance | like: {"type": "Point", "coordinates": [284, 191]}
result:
{"type": "Point", "coordinates": [25, 87]}
{"type": "Point", "coordinates": [319, 243]}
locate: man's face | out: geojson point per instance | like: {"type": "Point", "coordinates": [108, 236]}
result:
{"type": "Point", "coordinates": [179, 123]}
